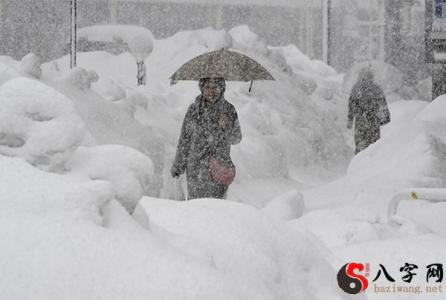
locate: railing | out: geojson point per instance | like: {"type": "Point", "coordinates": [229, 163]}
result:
{"type": "Point", "coordinates": [425, 194]}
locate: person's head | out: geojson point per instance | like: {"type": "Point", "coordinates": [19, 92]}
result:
{"type": "Point", "coordinates": [212, 88]}
{"type": "Point", "coordinates": [366, 74]}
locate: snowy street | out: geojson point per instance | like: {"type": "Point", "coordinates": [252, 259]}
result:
{"type": "Point", "coordinates": [89, 209]}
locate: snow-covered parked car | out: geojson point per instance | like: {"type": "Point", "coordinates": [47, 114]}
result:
{"type": "Point", "coordinates": [109, 38]}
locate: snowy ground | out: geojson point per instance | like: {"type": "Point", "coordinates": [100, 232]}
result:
{"type": "Point", "coordinates": [81, 148]}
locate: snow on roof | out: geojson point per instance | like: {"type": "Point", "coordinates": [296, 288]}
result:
{"type": "Point", "coordinates": [283, 3]}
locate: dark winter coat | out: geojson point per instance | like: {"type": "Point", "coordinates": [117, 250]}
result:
{"type": "Point", "coordinates": [368, 109]}
{"type": "Point", "coordinates": [202, 135]}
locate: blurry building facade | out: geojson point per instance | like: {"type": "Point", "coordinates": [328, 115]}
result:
{"type": "Point", "coordinates": [360, 29]}
{"type": "Point", "coordinates": [43, 26]}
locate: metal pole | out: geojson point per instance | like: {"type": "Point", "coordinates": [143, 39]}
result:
{"type": "Point", "coordinates": [382, 30]}
{"type": "Point", "coordinates": [73, 35]}
{"type": "Point", "coordinates": [141, 73]}
{"type": "Point", "coordinates": [427, 30]}
{"type": "Point", "coordinates": [370, 37]}
{"type": "Point", "coordinates": [326, 30]}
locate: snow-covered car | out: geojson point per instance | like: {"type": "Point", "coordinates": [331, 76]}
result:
{"type": "Point", "coordinates": [109, 38]}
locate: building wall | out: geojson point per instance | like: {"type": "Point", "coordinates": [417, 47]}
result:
{"type": "Point", "coordinates": [42, 26]}
{"type": "Point", "coordinates": [32, 26]}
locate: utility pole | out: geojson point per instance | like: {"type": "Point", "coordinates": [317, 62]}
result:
{"type": "Point", "coordinates": [73, 35]}
{"type": "Point", "coordinates": [382, 30]}
{"type": "Point", "coordinates": [326, 31]}
{"type": "Point", "coordinates": [370, 33]}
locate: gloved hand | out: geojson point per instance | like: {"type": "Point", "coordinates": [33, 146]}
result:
{"type": "Point", "coordinates": [175, 171]}
{"type": "Point", "coordinates": [349, 125]}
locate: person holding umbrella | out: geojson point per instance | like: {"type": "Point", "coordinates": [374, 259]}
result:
{"type": "Point", "coordinates": [211, 123]}
{"type": "Point", "coordinates": [209, 129]}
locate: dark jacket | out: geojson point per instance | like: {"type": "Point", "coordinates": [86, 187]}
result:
{"type": "Point", "coordinates": [368, 109]}
{"type": "Point", "coordinates": [202, 135]}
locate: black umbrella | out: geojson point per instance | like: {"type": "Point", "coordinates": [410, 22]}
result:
{"type": "Point", "coordinates": [230, 65]}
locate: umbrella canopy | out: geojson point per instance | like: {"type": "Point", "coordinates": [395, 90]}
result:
{"type": "Point", "coordinates": [230, 65]}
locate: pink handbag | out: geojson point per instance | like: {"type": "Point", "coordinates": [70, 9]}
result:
{"type": "Point", "coordinates": [221, 173]}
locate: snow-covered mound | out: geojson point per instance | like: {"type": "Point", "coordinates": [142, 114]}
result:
{"type": "Point", "coordinates": [286, 207]}
{"type": "Point", "coordinates": [38, 123]}
{"type": "Point", "coordinates": [128, 170]}
{"type": "Point", "coordinates": [8, 69]}
{"type": "Point", "coordinates": [229, 235]}
{"type": "Point", "coordinates": [433, 120]}
{"type": "Point", "coordinates": [300, 62]}
{"type": "Point", "coordinates": [30, 64]}
{"type": "Point", "coordinates": [81, 78]}
{"type": "Point", "coordinates": [66, 237]}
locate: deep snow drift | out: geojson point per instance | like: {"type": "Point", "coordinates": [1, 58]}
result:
{"type": "Point", "coordinates": [79, 148]}
{"type": "Point", "coordinates": [66, 237]}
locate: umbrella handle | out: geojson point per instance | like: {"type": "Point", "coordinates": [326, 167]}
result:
{"type": "Point", "coordinates": [250, 86]}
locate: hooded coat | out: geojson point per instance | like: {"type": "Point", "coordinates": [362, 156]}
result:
{"type": "Point", "coordinates": [208, 129]}
{"type": "Point", "coordinates": [368, 109]}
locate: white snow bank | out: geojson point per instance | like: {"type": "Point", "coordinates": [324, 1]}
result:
{"type": "Point", "coordinates": [286, 207]}
{"type": "Point", "coordinates": [245, 39]}
{"type": "Point", "coordinates": [30, 64]}
{"type": "Point", "coordinates": [128, 170]}
{"type": "Point", "coordinates": [73, 256]}
{"type": "Point", "coordinates": [81, 78]}
{"type": "Point", "coordinates": [432, 118]}
{"type": "Point", "coordinates": [218, 40]}
{"type": "Point", "coordinates": [109, 124]}
{"type": "Point", "coordinates": [8, 69]}
{"type": "Point", "coordinates": [335, 230]}
{"type": "Point", "coordinates": [84, 245]}
{"type": "Point", "coordinates": [38, 123]}
{"type": "Point", "coordinates": [315, 77]}
{"type": "Point", "coordinates": [300, 62]}
{"type": "Point", "coordinates": [110, 90]}
{"type": "Point", "coordinates": [241, 242]}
